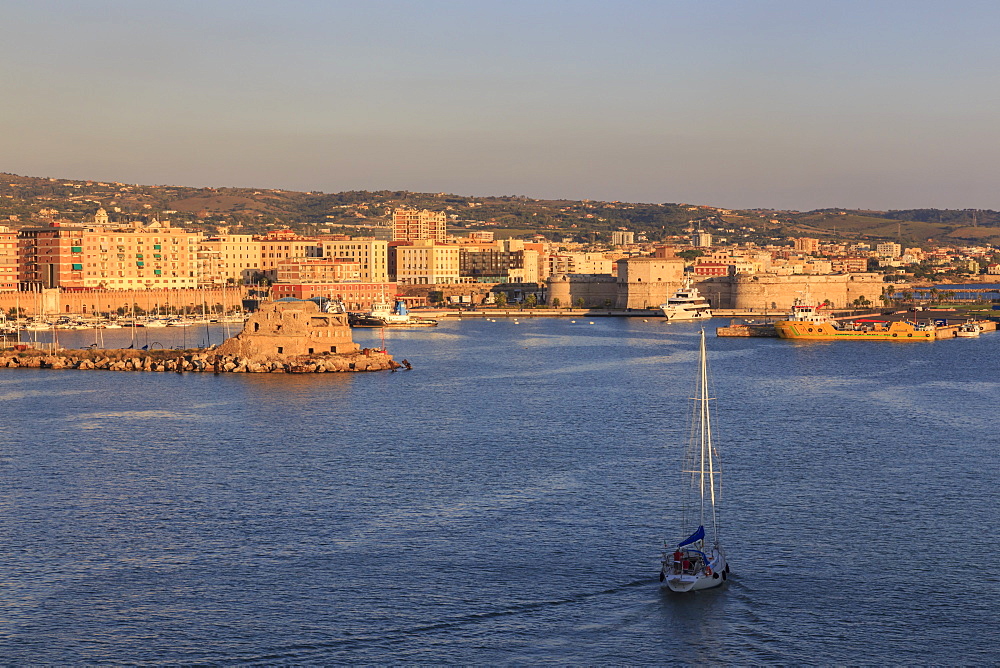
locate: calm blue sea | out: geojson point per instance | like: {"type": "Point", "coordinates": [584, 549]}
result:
{"type": "Point", "coordinates": [504, 503]}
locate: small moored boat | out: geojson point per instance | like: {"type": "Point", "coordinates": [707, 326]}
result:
{"type": "Point", "coordinates": [968, 330]}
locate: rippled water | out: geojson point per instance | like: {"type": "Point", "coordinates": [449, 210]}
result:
{"type": "Point", "coordinates": [503, 503]}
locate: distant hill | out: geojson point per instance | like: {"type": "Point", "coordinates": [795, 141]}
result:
{"type": "Point", "coordinates": [26, 200]}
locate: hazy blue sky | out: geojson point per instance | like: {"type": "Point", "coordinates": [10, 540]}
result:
{"type": "Point", "coordinates": [755, 103]}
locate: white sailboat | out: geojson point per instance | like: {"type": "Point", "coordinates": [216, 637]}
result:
{"type": "Point", "coordinates": [697, 562]}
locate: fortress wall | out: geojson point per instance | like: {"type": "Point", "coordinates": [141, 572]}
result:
{"type": "Point", "coordinates": [595, 290]}
{"type": "Point", "coordinates": [718, 290]}
{"type": "Point", "coordinates": [769, 291]}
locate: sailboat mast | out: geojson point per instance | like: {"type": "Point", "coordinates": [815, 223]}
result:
{"type": "Point", "coordinates": [702, 420]}
{"type": "Point", "coordinates": [707, 437]}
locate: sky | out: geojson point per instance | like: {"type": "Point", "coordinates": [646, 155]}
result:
{"type": "Point", "coordinates": [785, 104]}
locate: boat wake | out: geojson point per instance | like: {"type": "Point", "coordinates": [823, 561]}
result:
{"type": "Point", "coordinates": [319, 651]}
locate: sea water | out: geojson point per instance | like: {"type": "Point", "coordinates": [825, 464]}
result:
{"type": "Point", "coordinates": [505, 501]}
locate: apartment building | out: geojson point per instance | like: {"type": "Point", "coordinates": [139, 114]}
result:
{"type": "Point", "coordinates": [372, 255]}
{"type": "Point", "coordinates": [157, 256]}
{"type": "Point", "coordinates": [140, 257]}
{"type": "Point", "coordinates": [8, 259]}
{"type": "Point", "coordinates": [889, 249]}
{"type": "Point", "coordinates": [425, 262]}
{"type": "Point", "coordinates": [285, 245]}
{"type": "Point", "coordinates": [701, 239]}
{"type": "Point", "coordinates": [565, 262]}
{"type": "Point", "coordinates": [413, 225]}
{"type": "Point", "coordinates": [807, 245]}
{"type": "Point", "coordinates": [229, 258]}
{"type": "Point", "coordinates": [622, 238]}
{"type": "Point", "coordinates": [50, 257]}
{"type": "Point", "coordinates": [317, 270]}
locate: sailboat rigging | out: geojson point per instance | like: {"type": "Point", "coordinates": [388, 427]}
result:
{"type": "Point", "coordinates": [698, 562]}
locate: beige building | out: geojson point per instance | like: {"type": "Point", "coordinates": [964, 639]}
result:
{"type": "Point", "coordinates": [888, 249]}
{"type": "Point", "coordinates": [413, 225]}
{"type": "Point", "coordinates": [426, 263]}
{"type": "Point", "coordinates": [573, 262]}
{"type": "Point", "coordinates": [229, 258]}
{"type": "Point", "coordinates": [371, 254]}
{"type": "Point", "coordinates": [285, 245]}
{"type": "Point", "coordinates": [317, 270]}
{"type": "Point", "coordinates": [701, 239]}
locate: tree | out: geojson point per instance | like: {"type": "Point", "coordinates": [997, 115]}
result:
{"type": "Point", "coordinates": [556, 302]}
{"type": "Point", "coordinates": [500, 299]}
{"type": "Point", "coordinates": [579, 302]}
{"type": "Point", "coordinates": [531, 301]}
{"type": "Point", "coordinates": [690, 254]}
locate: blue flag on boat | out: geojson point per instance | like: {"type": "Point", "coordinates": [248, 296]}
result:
{"type": "Point", "coordinates": [693, 538]}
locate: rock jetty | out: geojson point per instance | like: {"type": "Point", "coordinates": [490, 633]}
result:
{"type": "Point", "coordinates": [180, 361]}
{"type": "Point", "coordinates": [288, 336]}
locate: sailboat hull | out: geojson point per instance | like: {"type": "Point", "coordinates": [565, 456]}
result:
{"type": "Point", "coordinates": [715, 576]}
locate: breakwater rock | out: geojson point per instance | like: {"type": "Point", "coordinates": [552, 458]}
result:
{"type": "Point", "coordinates": [180, 361]}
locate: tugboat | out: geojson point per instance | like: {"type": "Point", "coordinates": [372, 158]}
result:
{"type": "Point", "coordinates": [867, 330]}
{"type": "Point", "coordinates": [384, 314]}
{"type": "Point", "coordinates": [686, 304]}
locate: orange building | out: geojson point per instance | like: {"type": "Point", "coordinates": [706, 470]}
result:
{"type": "Point", "coordinates": [8, 259]}
{"type": "Point", "coordinates": [50, 257]}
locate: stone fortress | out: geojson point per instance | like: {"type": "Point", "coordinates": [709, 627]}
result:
{"type": "Point", "coordinates": [646, 282]}
{"type": "Point", "coordinates": [291, 328]}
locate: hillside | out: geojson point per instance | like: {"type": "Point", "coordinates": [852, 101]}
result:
{"type": "Point", "coordinates": [26, 200]}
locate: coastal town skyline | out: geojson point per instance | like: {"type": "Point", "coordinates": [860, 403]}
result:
{"type": "Point", "coordinates": [764, 105]}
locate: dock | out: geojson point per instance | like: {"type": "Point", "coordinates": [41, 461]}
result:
{"type": "Point", "coordinates": [750, 329]}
